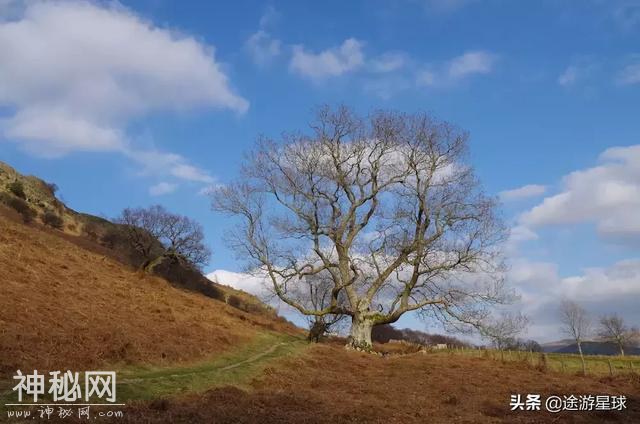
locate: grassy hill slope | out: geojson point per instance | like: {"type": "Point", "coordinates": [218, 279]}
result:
{"type": "Point", "coordinates": [65, 307]}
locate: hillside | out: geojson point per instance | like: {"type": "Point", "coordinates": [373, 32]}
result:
{"type": "Point", "coordinates": [66, 307]}
{"type": "Point", "coordinates": [189, 351]}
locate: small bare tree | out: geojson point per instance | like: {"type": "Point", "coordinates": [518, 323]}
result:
{"type": "Point", "coordinates": [316, 292]}
{"type": "Point", "coordinates": [157, 234]}
{"type": "Point", "coordinates": [384, 206]}
{"type": "Point", "coordinates": [502, 331]}
{"type": "Point", "coordinates": [614, 330]}
{"type": "Point", "coordinates": [576, 324]}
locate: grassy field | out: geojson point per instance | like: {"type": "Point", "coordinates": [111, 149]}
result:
{"type": "Point", "coordinates": [236, 368]}
{"type": "Point", "coordinates": [597, 365]}
{"type": "Point", "coordinates": [326, 384]}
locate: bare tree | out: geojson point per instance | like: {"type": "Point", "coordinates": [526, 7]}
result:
{"type": "Point", "coordinates": [157, 234]}
{"type": "Point", "coordinates": [502, 331]}
{"type": "Point", "coordinates": [316, 292]}
{"type": "Point", "coordinates": [614, 330]}
{"type": "Point", "coordinates": [384, 206]}
{"type": "Point", "coordinates": [576, 324]}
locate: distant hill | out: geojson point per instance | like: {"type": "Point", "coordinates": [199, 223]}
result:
{"type": "Point", "coordinates": [588, 348]}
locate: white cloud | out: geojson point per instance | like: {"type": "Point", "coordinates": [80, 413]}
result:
{"type": "Point", "coordinates": [523, 192]}
{"type": "Point", "coordinates": [162, 188]}
{"type": "Point", "coordinates": [262, 48]}
{"type": "Point", "coordinates": [77, 74]}
{"type": "Point", "coordinates": [579, 72]}
{"type": "Point", "coordinates": [388, 62]}
{"type": "Point", "coordinates": [630, 74]}
{"type": "Point", "coordinates": [599, 290]}
{"type": "Point", "coordinates": [476, 62]}
{"type": "Point", "coordinates": [607, 194]}
{"type": "Point", "coordinates": [329, 63]}
{"type": "Point", "coordinates": [627, 14]}
{"type": "Point", "coordinates": [457, 69]}
{"type": "Point", "coordinates": [252, 284]}
{"type": "Point", "coordinates": [520, 233]}
{"type": "Point", "coordinates": [154, 162]}
{"type": "Point", "coordinates": [269, 17]}
{"type": "Point", "coordinates": [569, 76]}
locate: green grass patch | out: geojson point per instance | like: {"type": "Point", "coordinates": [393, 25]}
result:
{"type": "Point", "coordinates": [597, 365]}
{"type": "Point", "coordinates": [235, 368]}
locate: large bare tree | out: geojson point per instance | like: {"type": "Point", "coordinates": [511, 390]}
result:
{"type": "Point", "coordinates": [614, 330]}
{"type": "Point", "coordinates": [385, 207]}
{"type": "Point", "coordinates": [576, 323]}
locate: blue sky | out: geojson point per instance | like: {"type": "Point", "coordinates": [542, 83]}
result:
{"type": "Point", "coordinates": [143, 102]}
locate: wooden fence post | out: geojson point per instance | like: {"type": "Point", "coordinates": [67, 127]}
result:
{"type": "Point", "coordinates": [610, 369]}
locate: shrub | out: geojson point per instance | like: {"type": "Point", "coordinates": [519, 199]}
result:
{"type": "Point", "coordinates": [22, 208]}
{"type": "Point", "coordinates": [235, 301]}
{"type": "Point", "coordinates": [17, 188]}
{"type": "Point", "coordinates": [52, 220]}
{"type": "Point", "coordinates": [91, 231]}
{"type": "Point", "coordinates": [112, 238]}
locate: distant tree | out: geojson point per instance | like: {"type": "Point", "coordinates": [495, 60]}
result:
{"type": "Point", "coordinates": [576, 324]}
{"type": "Point", "coordinates": [502, 331]}
{"type": "Point", "coordinates": [383, 333]}
{"type": "Point", "coordinates": [52, 220]}
{"type": "Point", "coordinates": [529, 346]}
{"type": "Point", "coordinates": [52, 187]}
{"type": "Point", "coordinates": [614, 330]}
{"type": "Point", "coordinates": [157, 234]}
{"type": "Point", "coordinates": [17, 188]}
{"type": "Point", "coordinates": [20, 206]}
{"type": "Point", "coordinates": [386, 205]}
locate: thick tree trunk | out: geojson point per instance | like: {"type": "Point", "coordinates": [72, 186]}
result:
{"type": "Point", "coordinates": [360, 335]}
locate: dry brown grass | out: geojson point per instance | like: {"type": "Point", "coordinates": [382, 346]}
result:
{"type": "Point", "coordinates": [331, 385]}
{"type": "Point", "coordinates": [65, 307]}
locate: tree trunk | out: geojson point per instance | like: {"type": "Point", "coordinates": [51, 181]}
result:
{"type": "Point", "coordinates": [360, 334]}
{"type": "Point", "coordinates": [584, 366]}
{"type": "Point", "coordinates": [621, 347]}
{"type": "Point", "coordinates": [317, 331]}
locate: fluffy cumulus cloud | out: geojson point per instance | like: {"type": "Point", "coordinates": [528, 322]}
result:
{"type": "Point", "coordinates": [261, 46]}
{"type": "Point", "coordinates": [459, 68]}
{"type": "Point", "coordinates": [476, 62]}
{"type": "Point", "coordinates": [388, 62]}
{"type": "Point", "coordinates": [524, 192]}
{"type": "Point", "coordinates": [332, 62]}
{"type": "Point", "coordinates": [254, 285]}
{"type": "Point", "coordinates": [162, 188]}
{"type": "Point", "coordinates": [77, 87]}
{"type": "Point", "coordinates": [607, 194]}
{"type": "Point", "coordinates": [599, 290]}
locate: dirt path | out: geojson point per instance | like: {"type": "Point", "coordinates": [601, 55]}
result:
{"type": "Point", "coordinates": [236, 368]}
